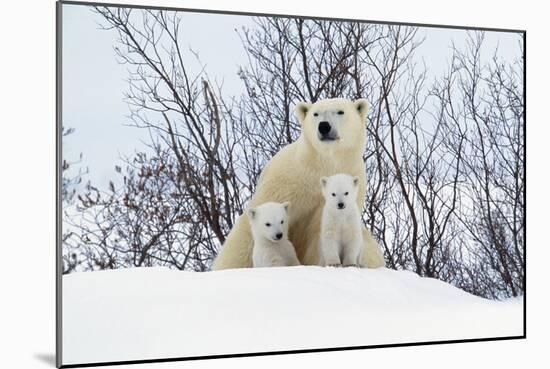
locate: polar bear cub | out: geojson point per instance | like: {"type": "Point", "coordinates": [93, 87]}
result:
{"type": "Point", "coordinates": [341, 238]}
{"type": "Point", "coordinates": [269, 225]}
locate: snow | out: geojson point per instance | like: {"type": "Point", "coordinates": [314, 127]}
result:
{"type": "Point", "coordinates": [154, 313]}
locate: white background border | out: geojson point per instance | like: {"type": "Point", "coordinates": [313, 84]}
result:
{"type": "Point", "coordinates": [27, 181]}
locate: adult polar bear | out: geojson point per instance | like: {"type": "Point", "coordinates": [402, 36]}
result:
{"type": "Point", "coordinates": [332, 141]}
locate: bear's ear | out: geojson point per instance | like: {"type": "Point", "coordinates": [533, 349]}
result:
{"type": "Point", "coordinates": [301, 110]}
{"type": "Point", "coordinates": [355, 181]}
{"type": "Point", "coordinates": [323, 181]}
{"type": "Point", "coordinates": [252, 213]}
{"type": "Point", "coordinates": [286, 205]}
{"type": "Point", "coordinates": [362, 107]}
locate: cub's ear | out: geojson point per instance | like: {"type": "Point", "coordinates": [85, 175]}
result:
{"type": "Point", "coordinates": [355, 181]}
{"type": "Point", "coordinates": [301, 110]}
{"type": "Point", "coordinates": [286, 205]}
{"type": "Point", "coordinates": [251, 213]}
{"type": "Point", "coordinates": [323, 181]}
{"type": "Point", "coordinates": [362, 107]}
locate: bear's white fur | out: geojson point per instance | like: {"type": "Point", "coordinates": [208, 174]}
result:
{"type": "Point", "coordinates": [293, 175]}
{"type": "Point", "coordinates": [269, 224]}
{"type": "Point", "coordinates": [341, 230]}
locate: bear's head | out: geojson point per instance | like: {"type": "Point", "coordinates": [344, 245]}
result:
{"type": "Point", "coordinates": [339, 191]}
{"type": "Point", "coordinates": [333, 123]}
{"type": "Point", "coordinates": [270, 221]}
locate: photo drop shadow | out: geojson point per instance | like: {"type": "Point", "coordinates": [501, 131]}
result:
{"type": "Point", "coordinates": [46, 358]}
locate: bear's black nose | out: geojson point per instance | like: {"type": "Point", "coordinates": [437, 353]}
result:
{"type": "Point", "coordinates": [324, 128]}
{"type": "Point", "coordinates": [341, 205]}
{"type": "Point", "coordinates": [279, 236]}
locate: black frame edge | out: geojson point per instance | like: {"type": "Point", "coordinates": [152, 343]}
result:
{"type": "Point", "coordinates": [58, 181]}
{"type": "Point", "coordinates": [525, 179]}
{"type": "Point", "coordinates": [292, 352]}
{"type": "Point", "coordinates": [253, 14]}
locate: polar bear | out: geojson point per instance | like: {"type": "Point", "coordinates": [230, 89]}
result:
{"type": "Point", "coordinates": [269, 225]}
{"type": "Point", "coordinates": [332, 141]}
{"type": "Point", "coordinates": [341, 239]}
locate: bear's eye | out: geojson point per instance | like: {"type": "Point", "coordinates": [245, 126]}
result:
{"type": "Point", "coordinates": [347, 193]}
{"type": "Point", "coordinates": [340, 112]}
{"type": "Point", "coordinates": [268, 224]}
{"type": "Point", "coordinates": [282, 221]}
{"type": "Point", "coordinates": [333, 194]}
{"type": "Point", "coordinates": [315, 114]}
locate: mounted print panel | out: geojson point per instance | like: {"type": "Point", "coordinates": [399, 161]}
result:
{"type": "Point", "coordinates": [241, 184]}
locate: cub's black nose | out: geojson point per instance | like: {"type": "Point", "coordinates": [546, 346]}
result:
{"type": "Point", "coordinates": [341, 205]}
{"type": "Point", "coordinates": [279, 236]}
{"type": "Point", "coordinates": [324, 128]}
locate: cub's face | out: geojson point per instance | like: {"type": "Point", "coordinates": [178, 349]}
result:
{"type": "Point", "coordinates": [270, 220]}
{"type": "Point", "coordinates": [340, 191]}
{"type": "Point", "coordinates": [333, 123]}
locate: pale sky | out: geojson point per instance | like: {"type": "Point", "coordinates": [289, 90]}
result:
{"type": "Point", "coordinates": [94, 83]}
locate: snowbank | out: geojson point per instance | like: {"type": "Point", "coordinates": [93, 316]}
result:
{"type": "Point", "coordinates": [153, 313]}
